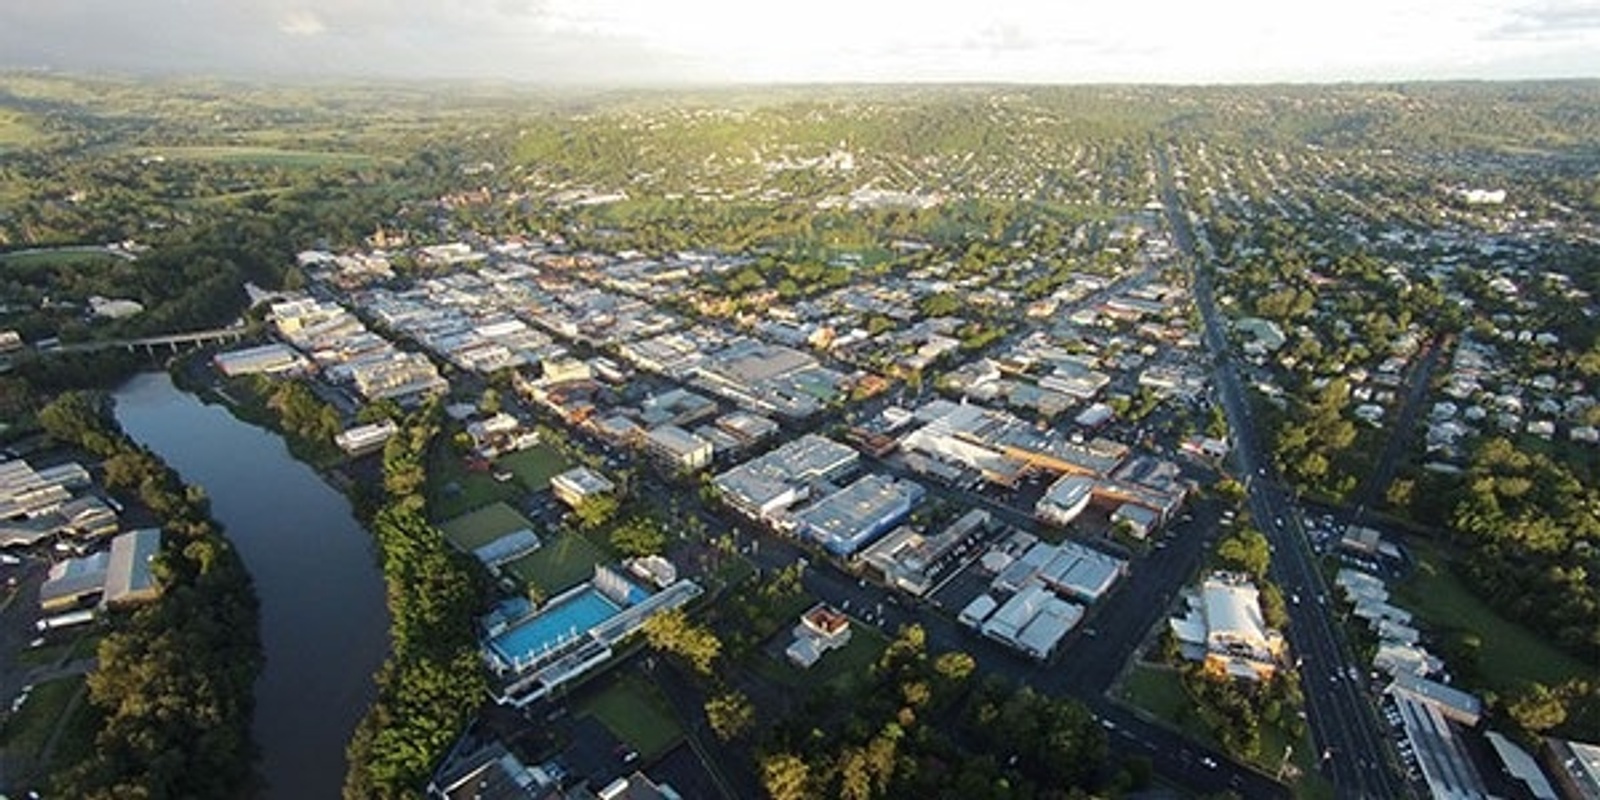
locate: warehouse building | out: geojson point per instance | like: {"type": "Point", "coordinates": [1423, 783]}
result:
{"type": "Point", "coordinates": [763, 487]}
{"type": "Point", "coordinates": [907, 560]}
{"type": "Point", "coordinates": [849, 519]}
{"type": "Point", "coordinates": [268, 359]}
{"type": "Point", "coordinates": [677, 448]}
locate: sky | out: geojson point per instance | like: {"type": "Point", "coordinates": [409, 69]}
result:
{"type": "Point", "coordinates": [665, 42]}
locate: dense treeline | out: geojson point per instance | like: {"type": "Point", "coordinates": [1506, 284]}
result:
{"type": "Point", "coordinates": [433, 681]}
{"type": "Point", "coordinates": [175, 680]}
{"type": "Point", "coordinates": [917, 726]}
{"type": "Point", "coordinates": [1533, 539]}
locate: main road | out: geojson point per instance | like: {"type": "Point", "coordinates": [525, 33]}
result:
{"type": "Point", "coordinates": [1353, 752]}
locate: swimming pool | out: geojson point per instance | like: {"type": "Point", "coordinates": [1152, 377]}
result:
{"type": "Point", "coordinates": [556, 625]}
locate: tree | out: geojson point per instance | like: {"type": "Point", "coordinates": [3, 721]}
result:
{"type": "Point", "coordinates": [1246, 551]}
{"type": "Point", "coordinates": [638, 537]}
{"type": "Point", "coordinates": [672, 632]}
{"type": "Point", "coordinates": [594, 511]}
{"type": "Point", "coordinates": [855, 774]}
{"type": "Point", "coordinates": [954, 666]}
{"type": "Point", "coordinates": [1537, 709]}
{"type": "Point", "coordinates": [731, 714]}
{"type": "Point", "coordinates": [942, 304]}
{"type": "Point", "coordinates": [786, 777]}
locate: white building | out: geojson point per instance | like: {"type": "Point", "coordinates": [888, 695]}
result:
{"type": "Point", "coordinates": [1065, 499]}
{"type": "Point", "coordinates": [678, 448]}
{"type": "Point", "coordinates": [1225, 628]}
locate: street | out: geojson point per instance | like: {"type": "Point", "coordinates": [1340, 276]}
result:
{"type": "Point", "coordinates": [1343, 722]}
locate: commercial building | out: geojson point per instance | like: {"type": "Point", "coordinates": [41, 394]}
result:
{"type": "Point", "coordinates": [849, 519]}
{"type": "Point", "coordinates": [909, 561]}
{"type": "Point", "coordinates": [268, 359]}
{"type": "Point", "coordinates": [1071, 569]}
{"type": "Point", "coordinates": [576, 485]}
{"type": "Point", "coordinates": [1441, 752]}
{"type": "Point", "coordinates": [363, 439]}
{"type": "Point", "coordinates": [677, 448]}
{"type": "Point", "coordinates": [1034, 620]}
{"type": "Point", "coordinates": [1065, 499]}
{"type": "Point", "coordinates": [1139, 521]}
{"type": "Point", "coordinates": [763, 487]}
{"type": "Point", "coordinates": [120, 575]}
{"type": "Point", "coordinates": [1002, 447]}
{"type": "Point", "coordinates": [679, 407]}
{"type": "Point", "coordinates": [492, 772]}
{"type": "Point", "coordinates": [747, 428]}
{"type": "Point", "coordinates": [1224, 627]}
{"type": "Point", "coordinates": [1456, 705]}
{"type": "Point", "coordinates": [1575, 767]}
{"type": "Point", "coordinates": [400, 376]}
{"type": "Point", "coordinates": [26, 492]}
{"type": "Point", "coordinates": [977, 611]}
{"type": "Point", "coordinates": [128, 576]}
{"type": "Point", "coordinates": [769, 378]}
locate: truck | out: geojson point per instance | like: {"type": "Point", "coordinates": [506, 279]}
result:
{"type": "Point", "coordinates": [66, 620]}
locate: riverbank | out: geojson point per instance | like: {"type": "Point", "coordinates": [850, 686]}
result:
{"type": "Point", "coordinates": [314, 569]}
{"type": "Point", "coordinates": [172, 689]}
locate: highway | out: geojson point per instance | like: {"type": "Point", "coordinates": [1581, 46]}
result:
{"type": "Point", "coordinates": [1354, 754]}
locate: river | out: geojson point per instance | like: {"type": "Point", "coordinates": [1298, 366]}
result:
{"type": "Point", "coordinates": [324, 627]}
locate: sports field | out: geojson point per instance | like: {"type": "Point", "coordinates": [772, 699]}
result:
{"type": "Point", "coordinates": [475, 529]}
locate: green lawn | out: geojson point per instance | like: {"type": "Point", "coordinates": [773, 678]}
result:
{"type": "Point", "coordinates": [638, 715]}
{"type": "Point", "coordinates": [17, 130]}
{"type": "Point", "coordinates": [565, 561]}
{"type": "Point", "coordinates": [82, 645]}
{"type": "Point", "coordinates": [535, 466]}
{"type": "Point", "coordinates": [1511, 655]}
{"type": "Point", "coordinates": [1159, 690]}
{"type": "Point", "coordinates": [475, 529]}
{"type": "Point", "coordinates": [454, 491]}
{"type": "Point", "coordinates": [842, 667]}
{"type": "Point", "coordinates": [45, 259]}
{"type": "Point", "coordinates": [262, 156]}
{"type": "Point", "coordinates": [25, 733]}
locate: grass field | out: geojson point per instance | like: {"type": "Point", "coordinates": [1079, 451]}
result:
{"type": "Point", "coordinates": [535, 466]}
{"type": "Point", "coordinates": [81, 646]}
{"type": "Point", "coordinates": [26, 733]}
{"type": "Point", "coordinates": [475, 529]}
{"type": "Point", "coordinates": [1159, 691]}
{"type": "Point", "coordinates": [17, 130]}
{"type": "Point", "coordinates": [842, 667]}
{"type": "Point", "coordinates": [263, 156]}
{"type": "Point", "coordinates": [1511, 654]}
{"type": "Point", "coordinates": [455, 491]}
{"type": "Point", "coordinates": [564, 562]}
{"type": "Point", "coordinates": [57, 257]}
{"type": "Point", "coordinates": [638, 715]}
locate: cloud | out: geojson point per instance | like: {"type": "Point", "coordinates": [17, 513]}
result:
{"type": "Point", "coordinates": [1552, 19]}
{"type": "Point", "coordinates": [665, 41]}
{"type": "Point", "coordinates": [301, 22]}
